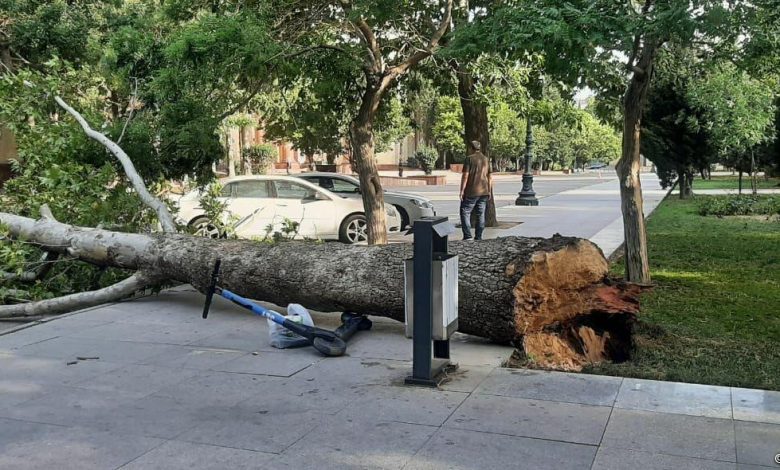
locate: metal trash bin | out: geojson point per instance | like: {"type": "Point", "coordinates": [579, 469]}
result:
{"type": "Point", "coordinates": [444, 293]}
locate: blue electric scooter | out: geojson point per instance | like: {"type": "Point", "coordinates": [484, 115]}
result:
{"type": "Point", "coordinates": [329, 343]}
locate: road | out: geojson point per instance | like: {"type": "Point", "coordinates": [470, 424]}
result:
{"type": "Point", "coordinates": [447, 203]}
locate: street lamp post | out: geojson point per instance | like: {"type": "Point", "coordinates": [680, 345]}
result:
{"type": "Point", "coordinates": [527, 196]}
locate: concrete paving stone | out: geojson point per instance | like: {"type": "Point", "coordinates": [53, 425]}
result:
{"type": "Point", "coordinates": [457, 449]}
{"type": "Point", "coordinates": [742, 466]}
{"type": "Point", "coordinates": [10, 342]}
{"type": "Point", "coordinates": [68, 406]}
{"type": "Point", "coordinates": [756, 405]}
{"type": "Point", "coordinates": [609, 458]}
{"type": "Point", "coordinates": [403, 404]}
{"type": "Point", "coordinates": [583, 424]}
{"type": "Point", "coordinates": [326, 387]}
{"type": "Point", "coordinates": [468, 350]}
{"type": "Point", "coordinates": [238, 338]}
{"type": "Point", "coordinates": [137, 379]}
{"type": "Point", "coordinates": [68, 324]}
{"type": "Point", "coordinates": [282, 363]}
{"type": "Point", "coordinates": [757, 443]}
{"type": "Point", "coordinates": [673, 397]}
{"type": "Point", "coordinates": [181, 333]}
{"type": "Point", "coordinates": [43, 369]}
{"type": "Point", "coordinates": [20, 390]}
{"type": "Point", "coordinates": [383, 341]}
{"type": "Point", "coordinates": [256, 429]}
{"type": "Point", "coordinates": [465, 378]}
{"type": "Point", "coordinates": [555, 386]}
{"type": "Point", "coordinates": [175, 455]}
{"type": "Point", "coordinates": [672, 434]}
{"type": "Point", "coordinates": [68, 349]}
{"type": "Point", "coordinates": [157, 416]}
{"type": "Point", "coordinates": [187, 357]}
{"type": "Point", "coordinates": [343, 372]}
{"type": "Point", "coordinates": [339, 444]}
{"type": "Point", "coordinates": [223, 389]}
{"type": "Point", "coordinates": [40, 446]}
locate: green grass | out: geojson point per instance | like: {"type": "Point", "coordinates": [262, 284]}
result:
{"type": "Point", "coordinates": [732, 182]}
{"type": "Point", "coordinates": [714, 317]}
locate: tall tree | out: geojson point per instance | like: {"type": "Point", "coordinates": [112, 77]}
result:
{"type": "Point", "coordinates": [374, 44]}
{"type": "Point", "coordinates": [739, 113]}
{"type": "Point", "coordinates": [675, 132]}
{"type": "Point", "coordinates": [582, 42]}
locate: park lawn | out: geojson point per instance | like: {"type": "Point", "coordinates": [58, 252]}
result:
{"type": "Point", "coordinates": [732, 182]}
{"type": "Point", "coordinates": [714, 315]}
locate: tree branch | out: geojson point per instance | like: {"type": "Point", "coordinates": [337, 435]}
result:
{"type": "Point", "coordinates": [433, 44]}
{"type": "Point", "coordinates": [43, 267]}
{"type": "Point", "coordinates": [166, 220]}
{"type": "Point", "coordinates": [131, 104]}
{"type": "Point", "coordinates": [68, 303]}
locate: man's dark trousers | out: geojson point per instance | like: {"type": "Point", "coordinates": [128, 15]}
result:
{"type": "Point", "coordinates": [467, 205]}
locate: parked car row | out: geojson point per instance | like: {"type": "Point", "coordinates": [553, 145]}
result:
{"type": "Point", "coordinates": [411, 206]}
{"type": "Point", "coordinates": [325, 206]}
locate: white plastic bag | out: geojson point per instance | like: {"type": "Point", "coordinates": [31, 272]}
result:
{"type": "Point", "coordinates": [283, 338]}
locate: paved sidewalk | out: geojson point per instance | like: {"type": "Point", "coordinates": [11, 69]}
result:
{"type": "Point", "coordinates": [591, 212]}
{"type": "Point", "coordinates": [157, 387]}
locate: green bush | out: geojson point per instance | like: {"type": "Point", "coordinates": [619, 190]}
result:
{"type": "Point", "coordinates": [261, 157]}
{"type": "Point", "coordinates": [739, 205]}
{"type": "Point", "coordinates": [426, 157]}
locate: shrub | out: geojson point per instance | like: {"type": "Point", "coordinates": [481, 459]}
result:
{"type": "Point", "coordinates": [261, 157]}
{"type": "Point", "coordinates": [426, 157]}
{"type": "Point", "coordinates": [739, 205]}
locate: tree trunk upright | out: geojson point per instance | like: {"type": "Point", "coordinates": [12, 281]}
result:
{"type": "Point", "coordinates": [475, 126]}
{"type": "Point", "coordinates": [231, 162]}
{"type": "Point", "coordinates": [361, 133]}
{"type": "Point", "coordinates": [740, 182]}
{"type": "Point", "coordinates": [636, 259]}
{"type": "Point", "coordinates": [753, 178]}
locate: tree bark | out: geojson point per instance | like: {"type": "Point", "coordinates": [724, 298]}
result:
{"type": "Point", "coordinates": [551, 296]}
{"type": "Point", "coordinates": [637, 265]}
{"type": "Point", "coordinates": [67, 303]}
{"type": "Point", "coordinates": [475, 127]}
{"type": "Point", "coordinates": [740, 182]}
{"type": "Point", "coordinates": [361, 131]}
{"type": "Point", "coordinates": [231, 161]}
{"type": "Point", "coordinates": [753, 179]}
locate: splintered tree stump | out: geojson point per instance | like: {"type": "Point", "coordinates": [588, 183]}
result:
{"type": "Point", "coordinates": [552, 297]}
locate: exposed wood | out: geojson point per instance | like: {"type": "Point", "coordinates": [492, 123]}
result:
{"type": "Point", "coordinates": [533, 291]}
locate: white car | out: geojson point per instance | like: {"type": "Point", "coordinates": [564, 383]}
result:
{"type": "Point", "coordinates": [269, 200]}
{"type": "Point", "coordinates": [411, 206]}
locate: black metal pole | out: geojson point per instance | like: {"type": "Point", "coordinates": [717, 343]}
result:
{"type": "Point", "coordinates": [527, 196]}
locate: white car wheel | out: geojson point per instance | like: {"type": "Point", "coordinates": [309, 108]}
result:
{"type": "Point", "coordinates": [204, 228]}
{"type": "Point", "coordinates": [354, 229]}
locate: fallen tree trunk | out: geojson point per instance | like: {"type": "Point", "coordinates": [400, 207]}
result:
{"type": "Point", "coordinates": [551, 296]}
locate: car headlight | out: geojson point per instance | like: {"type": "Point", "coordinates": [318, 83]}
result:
{"type": "Point", "coordinates": [421, 203]}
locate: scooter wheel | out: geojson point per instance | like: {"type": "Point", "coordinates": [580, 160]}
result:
{"type": "Point", "coordinates": [330, 347]}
